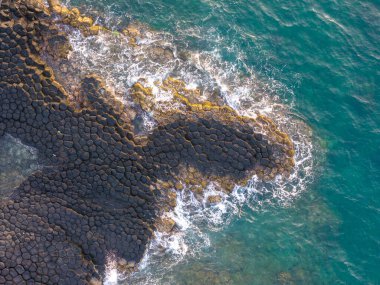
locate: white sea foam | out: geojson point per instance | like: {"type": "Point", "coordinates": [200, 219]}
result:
{"type": "Point", "coordinates": [194, 218]}
{"type": "Point", "coordinates": [112, 275]}
{"type": "Point", "coordinates": [122, 65]}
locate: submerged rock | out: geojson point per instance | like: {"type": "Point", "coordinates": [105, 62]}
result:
{"type": "Point", "coordinates": [201, 274]}
{"type": "Point", "coordinates": [165, 224]}
{"type": "Point", "coordinates": [214, 199]}
{"type": "Point", "coordinates": [285, 278]}
{"type": "Point", "coordinates": [160, 54]}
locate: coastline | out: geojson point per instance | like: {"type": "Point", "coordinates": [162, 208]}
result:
{"type": "Point", "coordinates": [110, 186]}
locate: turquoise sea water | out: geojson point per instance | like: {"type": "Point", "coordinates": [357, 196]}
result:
{"type": "Point", "coordinates": [322, 59]}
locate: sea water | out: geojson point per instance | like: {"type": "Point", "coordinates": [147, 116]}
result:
{"type": "Point", "coordinates": [313, 67]}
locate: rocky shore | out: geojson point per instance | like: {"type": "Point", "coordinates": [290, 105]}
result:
{"type": "Point", "coordinates": [106, 187]}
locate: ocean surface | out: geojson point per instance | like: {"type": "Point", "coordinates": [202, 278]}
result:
{"type": "Point", "coordinates": [314, 67]}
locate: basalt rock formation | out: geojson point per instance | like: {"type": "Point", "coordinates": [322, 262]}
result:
{"type": "Point", "coordinates": [101, 193]}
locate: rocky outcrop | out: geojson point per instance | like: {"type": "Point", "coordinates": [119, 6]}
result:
{"type": "Point", "coordinates": [74, 18]}
{"type": "Point", "coordinates": [102, 192]}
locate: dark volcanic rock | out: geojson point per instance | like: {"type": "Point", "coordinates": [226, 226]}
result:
{"type": "Point", "coordinates": [98, 195]}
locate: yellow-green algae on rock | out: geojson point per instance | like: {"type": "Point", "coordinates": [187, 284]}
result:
{"type": "Point", "coordinates": [106, 187]}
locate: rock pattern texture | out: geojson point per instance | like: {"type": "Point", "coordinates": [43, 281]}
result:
{"type": "Point", "coordinates": [101, 191]}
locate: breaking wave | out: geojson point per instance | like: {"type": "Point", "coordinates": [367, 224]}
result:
{"type": "Point", "coordinates": [153, 59]}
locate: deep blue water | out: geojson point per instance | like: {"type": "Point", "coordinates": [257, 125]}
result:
{"type": "Point", "coordinates": [322, 59]}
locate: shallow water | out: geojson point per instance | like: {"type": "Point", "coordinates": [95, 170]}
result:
{"type": "Point", "coordinates": [17, 162]}
{"type": "Point", "coordinates": [314, 61]}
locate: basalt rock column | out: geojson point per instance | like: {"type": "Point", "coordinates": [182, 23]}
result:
{"type": "Point", "coordinates": [99, 194]}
